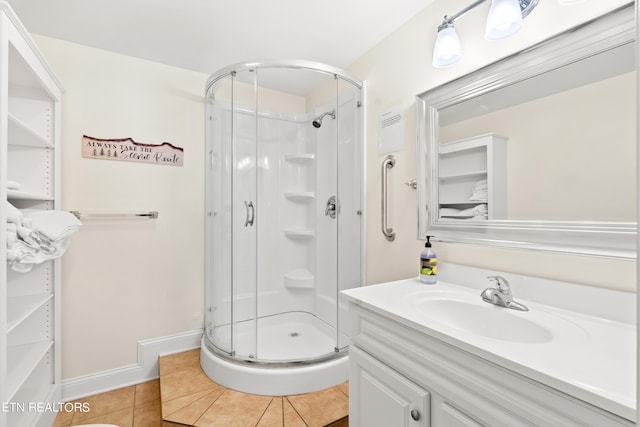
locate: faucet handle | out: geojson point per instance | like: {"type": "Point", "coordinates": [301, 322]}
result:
{"type": "Point", "coordinates": [501, 284]}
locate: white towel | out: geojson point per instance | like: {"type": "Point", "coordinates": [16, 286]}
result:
{"type": "Point", "coordinates": [480, 191]}
{"type": "Point", "coordinates": [41, 236]}
{"type": "Point", "coordinates": [14, 215]}
{"type": "Point", "coordinates": [53, 225]}
{"type": "Point", "coordinates": [12, 235]}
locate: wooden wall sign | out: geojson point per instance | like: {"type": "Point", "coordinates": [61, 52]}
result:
{"type": "Point", "coordinates": [128, 150]}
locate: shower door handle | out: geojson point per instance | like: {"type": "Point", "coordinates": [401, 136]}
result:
{"type": "Point", "coordinates": [250, 213]}
{"type": "Point", "coordinates": [388, 163]}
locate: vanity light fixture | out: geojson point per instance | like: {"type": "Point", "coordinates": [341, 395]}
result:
{"type": "Point", "coordinates": [504, 19]}
{"type": "Point", "coordinates": [447, 50]}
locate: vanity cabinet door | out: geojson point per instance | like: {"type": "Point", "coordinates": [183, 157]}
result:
{"type": "Point", "coordinates": [381, 397]}
{"type": "Point", "coordinates": [452, 417]}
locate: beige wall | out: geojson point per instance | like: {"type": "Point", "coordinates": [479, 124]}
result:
{"type": "Point", "coordinates": [125, 281]}
{"type": "Point", "coordinates": [128, 280]}
{"type": "Point", "coordinates": [398, 69]}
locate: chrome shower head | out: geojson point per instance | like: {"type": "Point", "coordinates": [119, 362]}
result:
{"type": "Point", "coordinates": [317, 122]}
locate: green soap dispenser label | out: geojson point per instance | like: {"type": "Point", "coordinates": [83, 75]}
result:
{"type": "Point", "coordinates": [429, 266]}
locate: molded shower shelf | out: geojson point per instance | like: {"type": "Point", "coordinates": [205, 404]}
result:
{"type": "Point", "coordinates": [300, 234]}
{"type": "Point", "coordinates": [300, 195]}
{"type": "Point", "coordinates": [299, 158]}
{"type": "Point", "coordinates": [299, 278]}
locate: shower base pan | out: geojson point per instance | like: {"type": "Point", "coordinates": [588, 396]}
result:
{"type": "Point", "coordinates": [277, 342]}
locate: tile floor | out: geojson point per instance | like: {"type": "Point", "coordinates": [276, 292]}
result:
{"type": "Point", "coordinates": [134, 406]}
{"type": "Point", "coordinates": [184, 395]}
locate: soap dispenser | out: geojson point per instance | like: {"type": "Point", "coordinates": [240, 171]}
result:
{"type": "Point", "coordinates": [428, 264]}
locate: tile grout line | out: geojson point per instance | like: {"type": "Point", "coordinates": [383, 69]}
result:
{"type": "Point", "coordinates": [296, 409]}
{"type": "Point", "coordinates": [265, 410]}
{"type": "Point", "coordinates": [209, 391]}
{"type": "Point", "coordinates": [205, 411]}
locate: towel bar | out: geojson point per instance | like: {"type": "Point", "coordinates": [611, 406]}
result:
{"type": "Point", "coordinates": [150, 215]}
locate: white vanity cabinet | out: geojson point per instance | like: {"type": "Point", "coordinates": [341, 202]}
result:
{"type": "Point", "coordinates": [397, 371]}
{"type": "Point", "coordinates": [383, 397]}
{"type": "Point", "coordinates": [466, 163]}
{"type": "Point", "coordinates": [30, 104]}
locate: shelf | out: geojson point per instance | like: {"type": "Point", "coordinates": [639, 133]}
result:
{"type": "Point", "coordinates": [19, 308]}
{"type": "Point", "coordinates": [25, 195]}
{"type": "Point", "coordinates": [300, 158]}
{"type": "Point", "coordinates": [300, 195]}
{"type": "Point", "coordinates": [21, 361]}
{"type": "Point", "coordinates": [464, 176]}
{"type": "Point", "coordinates": [21, 134]}
{"type": "Point", "coordinates": [463, 203]}
{"type": "Point", "coordinates": [300, 234]}
{"type": "Point", "coordinates": [29, 346]}
{"type": "Point", "coordinates": [299, 279]}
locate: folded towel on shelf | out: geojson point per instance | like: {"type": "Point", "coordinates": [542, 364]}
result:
{"type": "Point", "coordinates": [28, 237]}
{"type": "Point", "coordinates": [12, 235]}
{"type": "Point", "coordinates": [36, 236]}
{"type": "Point", "coordinates": [480, 191]}
{"type": "Point", "coordinates": [479, 211]}
{"type": "Point", "coordinates": [14, 215]}
{"type": "Point", "coordinates": [52, 225]}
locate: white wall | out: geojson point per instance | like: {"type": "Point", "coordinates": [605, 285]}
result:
{"type": "Point", "coordinates": [398, 69]}
{"type": "Point", "coordinates": [128, 280]}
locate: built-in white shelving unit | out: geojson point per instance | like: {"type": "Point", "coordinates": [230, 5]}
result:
{"type": "Point", "coordinates": [30, 134]}
{"type": "Point", "coordinates": [462, 166]}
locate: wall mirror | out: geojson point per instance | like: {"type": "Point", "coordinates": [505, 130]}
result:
{"type": "Point", "coordinates": [537, 150]}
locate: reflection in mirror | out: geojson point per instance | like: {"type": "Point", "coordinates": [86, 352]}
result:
{"type": "Point", "coordinates": [537, 150]}
{"type": "Point", "coordinates": [570, 151]}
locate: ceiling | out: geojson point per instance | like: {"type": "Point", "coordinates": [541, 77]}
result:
{"type": "Point", "coordinates": [206, 35]}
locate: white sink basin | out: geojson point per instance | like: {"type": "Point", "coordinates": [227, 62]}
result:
{"type": "Point", "coordinates": [489, 321]}
{"type": "Point", "coordinates": [464, 313]}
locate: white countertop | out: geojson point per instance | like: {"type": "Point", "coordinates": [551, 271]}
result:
{"type": "Point", "coordinates": [588, 357]}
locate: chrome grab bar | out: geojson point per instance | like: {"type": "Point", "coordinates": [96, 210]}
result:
{"type": "Point", "coordinates": [388, 163]}
{"type": "Point", "coordinates": [250, 213]}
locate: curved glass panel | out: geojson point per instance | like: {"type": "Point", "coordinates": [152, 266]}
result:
{"type": "Point", "coordinates": [284, 211]}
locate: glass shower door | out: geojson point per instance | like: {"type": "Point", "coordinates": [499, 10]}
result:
{"type": "Point", "coordinates": [219, 217]}
{"type": "Point", "coordinates": [349, 189]}
{"type": "Point", "coordinates": [246, 208]}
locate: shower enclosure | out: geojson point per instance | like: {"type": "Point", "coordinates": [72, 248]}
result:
{"type": "Point", "coordinates": [284, 224]}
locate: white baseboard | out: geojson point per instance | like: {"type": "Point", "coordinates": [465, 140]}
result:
{"type": "Point", "coordinates": [146, 369]}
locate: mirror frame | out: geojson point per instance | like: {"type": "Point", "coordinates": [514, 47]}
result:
{"type": "Point", "coordinates": [611, 239]}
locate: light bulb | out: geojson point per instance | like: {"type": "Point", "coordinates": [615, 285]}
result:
{"type": "Point", "coordinates": [447, 50]}
{"type": "Point", "coordinates": [504, 20]}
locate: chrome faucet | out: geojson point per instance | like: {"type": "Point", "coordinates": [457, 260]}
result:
{"type": "Point", "coordinates": [501, 294]}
